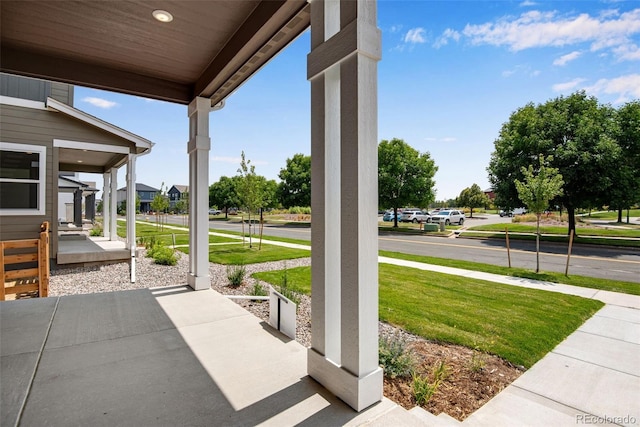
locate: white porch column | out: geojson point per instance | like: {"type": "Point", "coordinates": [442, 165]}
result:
{"type": "Point", "coordinates": [113, 209]}
{"type": "Point", "coordinates": [342, 68]}
{"type": "Point", "coordinates": [131, 212]}
{"type": "Point", "coordinates": [106, 204]}
{"type": "Point", "coordinates": [198, 149]}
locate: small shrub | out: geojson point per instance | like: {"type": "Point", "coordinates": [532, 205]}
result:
{"type": "Point", "coordinates": [96, 231]}
{"type": "Point", "coordinates": [149, 242]}
{"type": "Point", "coordinates": [286, 291]}
{"type": "Point", "coordinates": [300, 210]}
{"type": "Point", "coordinates": [423, 390]}
{"type": "Point", "coordinates": [258, 290]}
{"type": "Point", "coordinates": [478, 360]}
{"type": "Point", "coordinates": [236, 274]}
{"type": "Point", "coordinates": [164, 256]}
{"type": "Point", "coordinates": [394, 357]}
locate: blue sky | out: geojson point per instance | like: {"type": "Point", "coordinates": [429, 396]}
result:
{"type": "Point", "coordinates": [451, 74]}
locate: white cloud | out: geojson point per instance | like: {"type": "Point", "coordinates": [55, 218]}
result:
{"type": "Point", "coordinates": [99, 102]}
{"type": "Point", "coordinates": [449, 139]}
{"type": "Point", "coordinates": [528, 3]}
{"type": "Point", "coordinates": [625, 87]}
{"type": "Point", "coordinates": [535, 29]}
{"type": "Point", "coordinates": [508, 73]}
{"type": "Point", "coordinates": [236, 160]}
{"type": "Point", "coordinates": [564, 59]}
{"type": "Point", "coordinates": [395, 28]}
{"type": "Point", "coordinates": [567, 86]}
{"type": "Point", "coordinates": [628, 52]}
{"type": "Point", "coordinates": [445, 139]}
{"type": "Point", "coordinates": [447, 35]}
{"type": "Point", "coordinates": [415, 35]}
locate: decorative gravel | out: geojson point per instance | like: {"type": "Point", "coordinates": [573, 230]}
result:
{"type": "Point", "coordinates": [115, 277]}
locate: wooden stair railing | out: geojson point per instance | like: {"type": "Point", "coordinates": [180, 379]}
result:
{"type": "Point", "coordinates": [29, 251]}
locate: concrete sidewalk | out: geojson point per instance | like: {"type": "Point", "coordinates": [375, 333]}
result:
{"type": "Point", "coordinates": [593, 377]}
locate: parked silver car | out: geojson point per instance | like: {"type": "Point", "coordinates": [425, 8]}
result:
{"type": "Point", "coordinates": [415, 216]}
{"type": "Point", "coordinates": [451, 216]}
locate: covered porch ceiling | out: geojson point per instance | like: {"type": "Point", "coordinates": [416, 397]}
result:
{"type": "Point", "coordinates": [208, 50]}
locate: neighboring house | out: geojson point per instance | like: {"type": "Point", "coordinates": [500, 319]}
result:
{"type": "Point", "coordinates": [145, 193]}
{"type": "Point", "coordinates": [71, 193]}
{"type": "Point", "coordinates": [177, 193]}
{"type": "Point", "coordinates": [490, 194]}
{"type": "Point", "coordinates": [42, 135]}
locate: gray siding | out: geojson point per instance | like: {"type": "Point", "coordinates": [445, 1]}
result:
{"type": "Point", "coordinates": [62, 92]}
{"type": "Point", "coordinates": [35, 89]}
{"type": "Point", "coordinates": [24, 87]}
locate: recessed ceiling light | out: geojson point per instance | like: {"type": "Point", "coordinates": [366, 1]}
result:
{"type": "Point", "coordinates": [79, 161]}
{"type": "Point", "coordinates": [162, 15]}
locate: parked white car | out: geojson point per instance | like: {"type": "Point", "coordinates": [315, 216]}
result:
{"type": "Point", "coordinates": [450, 216]}
{"type": "Point", "coordinates": [415, 216]}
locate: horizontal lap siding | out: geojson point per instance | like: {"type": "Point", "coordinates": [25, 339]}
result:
{"type": "Point", "coordinates": [23, 125]}
{"type": "Point", "coordinates": [62, 92]}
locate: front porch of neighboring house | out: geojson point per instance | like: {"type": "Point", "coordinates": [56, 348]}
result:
{"type": "Point", "coordinates": [73, 244]}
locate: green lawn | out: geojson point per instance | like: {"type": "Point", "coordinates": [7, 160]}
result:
{"type": "Point", "coordinates": [241, 254]}
{"type": "Point", "coordinates": [582, 281]}
{"type": "Point", "coordinates": [562, 231]}
{"type": "Point", "coordinates": [613, 215]}
{"type": "Point", "coordinates": [518, 324]}
{"type": "Point", "coordinates": [166, 236]}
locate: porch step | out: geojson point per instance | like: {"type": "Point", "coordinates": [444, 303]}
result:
{"type": "Point", "coordinates": [441, 420]}
{"type": "Point", "coordinates": [398, 416]}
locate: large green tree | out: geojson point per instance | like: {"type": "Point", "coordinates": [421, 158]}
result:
{"type": "Point", "coordinates": [577, 131]}
{"type": "Point", "coordinates": [539, 186]}
{"type": "Point", "coordinates": [625, 192]}
{"type": "Point", "coordinates": [472, 197]}
{"type": "Point", "coordinates": [223, 194]}
{"type": "Point", "coordinates": [295, 181]}
{"type": "Point", "coordinates": [405, 176]}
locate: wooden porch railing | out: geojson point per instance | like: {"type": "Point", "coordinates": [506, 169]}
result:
{"type": "Point", "coordinates": [28, 252]}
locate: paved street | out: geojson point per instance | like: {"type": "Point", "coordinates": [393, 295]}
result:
{"type": "Point", "coordinates": [586, 260]}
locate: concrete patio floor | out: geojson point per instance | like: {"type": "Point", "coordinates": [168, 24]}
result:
{"type": "Point", "coordinates": [81, 249]}
{"type": "Point", "coordinates": [160, 356]}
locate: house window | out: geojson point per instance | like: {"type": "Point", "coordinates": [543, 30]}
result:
{"type": "Point", "coordinates": [22, 179]}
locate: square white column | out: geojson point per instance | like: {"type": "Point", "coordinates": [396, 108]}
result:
{"type": "Point", "coordinates": [131, 212]}
{"type": "Point", "coordinates": [106, 204]}
{"type": "Point", "coordinates": [113, 209]}
{"type": "Point", "coordinates": [198, 149]}
{"type": "Point", "coordinates": [342, 68]}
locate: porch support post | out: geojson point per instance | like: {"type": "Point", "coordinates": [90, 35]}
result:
{"type": "Point", "coordinates": [90, 207]}
{"type": "Point", "coordinates": [131, 212]}
{"type": "Point", "coordinates": [342, 68]}
{"type": "Point", "coordinates": [106, 204]}
{"type": "Point", "coordinates": [198, 149]}
{"type": "Point", "coordinates": [77, 208]}
{"type": "Point", "coordinates": [113, 211]}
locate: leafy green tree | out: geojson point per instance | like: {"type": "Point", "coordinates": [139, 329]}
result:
{"type": "Point", "coordinates": [577, 131]}
{"type": "Point", "coordinates": [295, 181]}
{"type": "Point", "coordinates": [223, 194]}
{"type": "Point", "coordinates": [472, 197]}
{"type": "Point", "coordinates": [160, 204]}
{"type": "Point", "coordinates": [250, 189]}
{"type": "Point", "coordinates": [625, 192]}
{"type": "Point", "coordinates": [122, 207]}
{"type": "Point", "coordinates": [405, 176]}
{"type": "Point", "coordinates": [539, 187]}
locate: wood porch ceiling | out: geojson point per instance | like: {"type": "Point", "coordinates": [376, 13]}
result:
{"type": "Point", "coordinates": [209, 49]}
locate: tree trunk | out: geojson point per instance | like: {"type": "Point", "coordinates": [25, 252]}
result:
{"type": "Point", "coordinates": [226, 212]}
{"type": "Point", "coordinates": [620, 215]}
{"type": "Point", "coordinates": [628, 215]}
{"type": "Point", "coordinates": [470, 212]}
{"type": "Point", "coordinates": [538, 243]}
{"type": "Point", "coordinates": [250, 229]}
{"type": "Point", "coordinates": [571, 213]}
{"type": "Point", "coordinates": [395, 217]}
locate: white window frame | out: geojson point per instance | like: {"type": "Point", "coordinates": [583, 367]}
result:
{"type": "Point", "coordinates": [41, 181]}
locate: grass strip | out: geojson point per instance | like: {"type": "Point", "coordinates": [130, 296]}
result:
{"type": "Point", "coordinates": [560, 231]}
{"type": "Point", "coordinates": [547, 276]}
{"type": "Point", "coordinates": [519, 324]}
{"type": "Point", "coordinates": [242, 254]}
